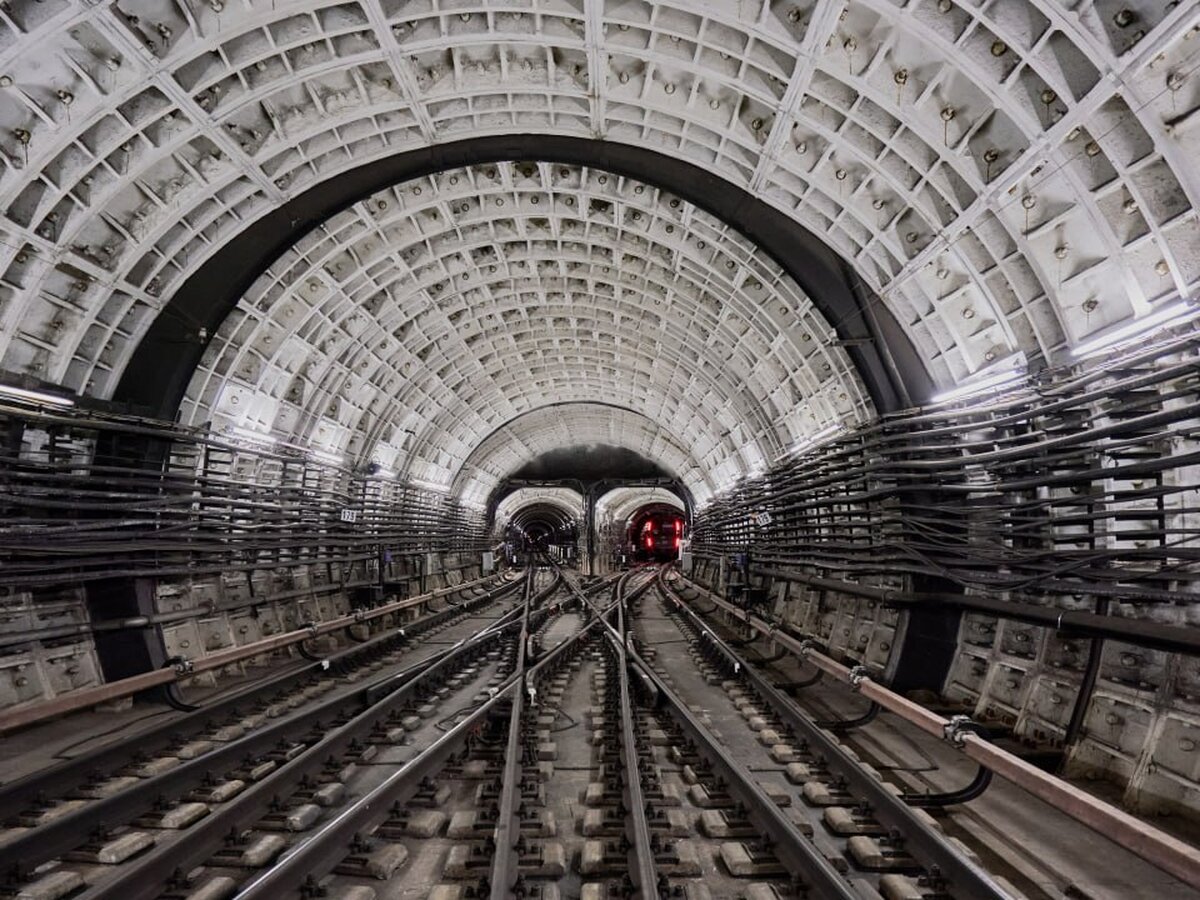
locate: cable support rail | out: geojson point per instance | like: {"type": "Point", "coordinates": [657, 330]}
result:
{"type": "Point", "coordinates": [181, 669]}
{"type": "Point", "coordinates": [210, 504]}
{"type": "Point", "coordinates": [1153, 845]}
{"type": "Point", "coordinates": [1175, 639]}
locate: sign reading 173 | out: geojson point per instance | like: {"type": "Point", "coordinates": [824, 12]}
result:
{"type": "Point", "coordinates": [762, 518]}
{"type": "Point", "coordinates": [348, 515]}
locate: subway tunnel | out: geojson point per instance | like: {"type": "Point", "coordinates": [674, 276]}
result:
{"type": "Point", "coordinates": [599, 449]}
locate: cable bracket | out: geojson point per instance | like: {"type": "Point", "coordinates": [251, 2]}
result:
{"type": "Point", "coordinates": [858, 675]}
{"type": "Point", "coordinates": [957, 728]}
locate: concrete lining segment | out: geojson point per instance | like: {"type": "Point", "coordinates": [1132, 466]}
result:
{"type": "Point", "coordinates": [158, 371]}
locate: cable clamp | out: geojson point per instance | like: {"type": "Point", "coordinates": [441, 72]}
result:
{"type": "Point", "coordinates": [311, 628]}
{"type": "Point", "coordinates": [808, 645]}
{"type": "Point", "coordinates": [956, 729]}
{"type": "Point", "coordinates": [360, 615]}
{"type": "Point", "coordinates": [858, 675]}
{"type": "Point", "coordinates": [182, 665]}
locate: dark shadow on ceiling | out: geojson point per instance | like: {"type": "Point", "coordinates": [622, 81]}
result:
{"type": "Point", "coordinates": [591, 462]}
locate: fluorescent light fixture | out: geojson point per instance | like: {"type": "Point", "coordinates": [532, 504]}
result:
{"type": "Point", "coordinates": [807, 443]}
{"type": "Point", "coordinates": [326, 457]}
{"type": "Point", "coordinates": [812, 439]}
{"type": "Point", "coordinates": [255, 437]}
{"type": "Point", "coordinates": [992, 382]}
{"type": "Point", "coordinates": [15, 393]}
{"type": "Point", "coordinates": [384, 472]}
{"type": "Point", "coordinates": [1159, 319]}
{"type": "Point", "coordinates": [431, 486]}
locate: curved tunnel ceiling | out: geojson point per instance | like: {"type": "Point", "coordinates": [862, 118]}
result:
{"type": "Point", "coordinates": [1009, 178]}
{"type": "Point", "coordinates": [619, 504]}
{"type": "Point", "coordinates": [416, 324]}
{"type": "Point", "coordinates": [567, 502]}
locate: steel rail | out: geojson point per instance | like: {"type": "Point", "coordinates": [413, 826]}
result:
{"type": "Point", "coordinates": [22, 716]}
{"type": "Point", "coordinates": [317, 854]}
{"type": "Point", "coordinates": [641, 852]}
{"type": "Point", "coordinates": [66, 832]}
{"type": "Point", "coordinates": [796, 850]}
{"type": "Point", "coordinates": [967, 879]}
{"type": "Point", "coordinates": [507, 833]}
{"type": "Point", "coordinates": [1155, 846]}
{"type": "Point", "coordinates": [69, 774]}
{"type": "Point", "coordinates": [508, 828]}
{"type": "Point", "coordinates": [143, 877]}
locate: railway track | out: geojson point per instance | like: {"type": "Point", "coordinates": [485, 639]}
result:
{"type": "Point", "coordinates": [594, 742]}
{"type": "Point", "coordinates": [71, 826]}
{"type": "Point", "coordinates": [884, 843]}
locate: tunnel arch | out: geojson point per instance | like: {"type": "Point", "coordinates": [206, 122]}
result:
{"type": "Point", "coordinates": [937, 170]}
{"type": "Point", "coordinates": [567, 503]}
{"type": "Point", "coordinates": [414, 323]}
{"type": "Point", "coordinates": [171, 348]}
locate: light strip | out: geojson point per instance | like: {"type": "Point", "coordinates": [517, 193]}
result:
{"type": "Point", "coordinates": [807, 443]}
{"type": "Point", "coordinates": [430, 486]}
{"type": "Point", "coordinates": [16, 393]}
{"type": "Point", "coordinates": [327, 457]}
{"type": "Point", "coordinates": [981, 386]}
{"type": "Point", "coordinates": [256, 437]}
{"type": "Point", "coordinates": [1163, 318]}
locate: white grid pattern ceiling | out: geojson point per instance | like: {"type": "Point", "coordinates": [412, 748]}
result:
{"type": "Point", "coordinates": [1008, 175]}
